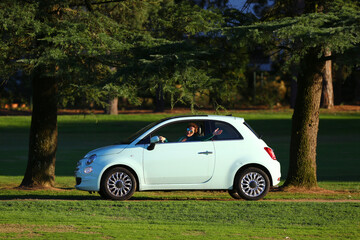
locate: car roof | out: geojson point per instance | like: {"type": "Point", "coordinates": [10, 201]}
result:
{"type": "Point", "coordinates": [210, 117]}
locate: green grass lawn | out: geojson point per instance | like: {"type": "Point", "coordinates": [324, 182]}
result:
{"type": "Point", "coordinates": [337, 156]}
{"type": "Point", "coordinates": [66, 213]}
{"type": "Point", "coordinates": [178, 220]}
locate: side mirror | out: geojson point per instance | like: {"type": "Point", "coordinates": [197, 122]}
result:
{"type": "Point", "coordinates": [153, 141]}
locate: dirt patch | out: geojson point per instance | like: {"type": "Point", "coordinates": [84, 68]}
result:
{"type": "Point", "coordinates": [346, 108]}
{"type": "Point", "coordinates": [34, 229]}
{"type": "Point", "coordinates": [194, 233]}
{"type": "Point", "coordinates": [314, 190]}
{"type": "Point", "coordinates": [313, 200]}
{"type": "Point", "coordinates": [36, 188]}
{"type": "Point", "coordinates": [316, 194]}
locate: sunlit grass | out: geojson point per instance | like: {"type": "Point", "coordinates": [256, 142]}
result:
{"type": "Point", "coordinates": [184, 219]}
{"type": "Point", "coordinates": [66, 213]}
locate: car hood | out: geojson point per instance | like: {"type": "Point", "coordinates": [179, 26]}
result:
{"type": "Point", "coordinates": [113, 149]}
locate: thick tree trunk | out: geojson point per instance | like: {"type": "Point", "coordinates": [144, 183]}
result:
{"type": "Point", "coordinates": [328, 92]}
{"type": "Point", "coordinates": [293, 93]}
{"type": "Point", "coordinates": [113, 106]}
{"type": "Point", "coordinates": [40, 171]}
{"type": "Point", "coordinates": [298, 9]}
{"type": "Point", "coordinates": [305, 125]}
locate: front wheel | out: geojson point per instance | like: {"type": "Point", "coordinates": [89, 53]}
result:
{"type": "Point", "coordinates": [118, 184]}
{"type": "Point", "coordinates": [233, 193]}
{"type": "Point", "coordinates": [252, 184]}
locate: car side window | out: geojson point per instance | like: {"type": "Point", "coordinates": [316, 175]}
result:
{"type": "Point", "coordinates": [175, 131]}
{"type": "Point", "coordinates": [228, 131]}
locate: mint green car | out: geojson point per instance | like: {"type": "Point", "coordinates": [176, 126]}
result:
{"type": "Point", "coordinates": [183, 153]}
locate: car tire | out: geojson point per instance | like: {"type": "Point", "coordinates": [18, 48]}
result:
{"type": "Point", "coordinates": [252, 184]}
{"type": "Point", "coordinates": [233, 193]}
{"type": "Point", "coordinates": [117, 184]}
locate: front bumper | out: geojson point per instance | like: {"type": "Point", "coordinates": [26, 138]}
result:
{"type": "Point", "coordinates": [85, 180]}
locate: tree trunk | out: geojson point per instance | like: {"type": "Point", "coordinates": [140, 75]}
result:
{"type": "Point", "coordinates": [338, 82]}
{"type": "Point", "coordinates": [305, 124]}
{"type": "Point", "coordinates": [299, 6]}
{"type": "Point", "coordinates": [357, 88]}
{"type": "Point", "coordinates": [113, 106]}
{"type": "Point", "coordinates": [298, 9]}
{"type": "Point", "coordinates": [159, 101]}
{"type": "Point", "coordinates": [293, 92]}
{"type": "Point", "coordinates": [40, 171]}
{"type": "Point", "coordinates": [328, 92]}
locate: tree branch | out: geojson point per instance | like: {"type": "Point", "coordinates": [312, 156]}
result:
{"type": "Point", "coordinates": [105, 2]}
{"type": "Point", "coordinates": [88, 5]}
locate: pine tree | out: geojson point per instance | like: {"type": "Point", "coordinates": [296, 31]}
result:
{"type": "Point", "coordinates": [67, 45]}
{"type": "Point", "coordinates": [78, 49]}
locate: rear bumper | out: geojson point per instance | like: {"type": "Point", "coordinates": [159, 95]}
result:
{"type": "Point", "coordinates": [275, 172]}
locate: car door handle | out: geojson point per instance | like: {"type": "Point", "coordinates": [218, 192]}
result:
{"type": "Point", "coordinates": [206, 153]}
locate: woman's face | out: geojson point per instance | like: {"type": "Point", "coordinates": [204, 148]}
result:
{"type": "Point", "coordinates": [190, 131]}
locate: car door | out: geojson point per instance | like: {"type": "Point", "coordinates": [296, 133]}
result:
{"type": "Point", "coordinates": [179, 162]}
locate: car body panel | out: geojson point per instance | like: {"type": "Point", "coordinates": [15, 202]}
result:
{"type": "Point", "coordinates": [187, 163]}
{"type": "Point", "coordinates": [108, 150]}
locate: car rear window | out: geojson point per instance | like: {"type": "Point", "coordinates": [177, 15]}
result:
{"type": "Point", "coordinates": [228, 131]}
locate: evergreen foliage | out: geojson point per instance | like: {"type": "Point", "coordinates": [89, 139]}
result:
{"type": "Point", "coordinates": [338, 29]}
{"type": "Point", "coordinates": [81, 48]}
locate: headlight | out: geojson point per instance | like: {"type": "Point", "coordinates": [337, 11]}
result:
{"type": "Point", "coordinates": [91, 159]}
{"type": "Point", "coordinates": [88, 170]}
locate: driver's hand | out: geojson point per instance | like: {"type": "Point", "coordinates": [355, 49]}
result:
{"type": "Point", "coordinates": [217, 132]}
{"type": "Point", "coordinates": [162, 139]}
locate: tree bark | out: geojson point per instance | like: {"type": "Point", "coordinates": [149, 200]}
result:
{"type": "Point", "coordinates": [40, 171]}
{"type": "Point", "coordinates": [113, 106]}
{"type": "Point", "coordinates": [159, 101]}
{"type": "Point", "coordinates": [357, 88]}
{"type": "Point", "coordinates": [298, 9]}
{"type": "Point", "coordinates": [299, 6]}
{"type": "Point", "coordinates": [305, 124]}
{"type": "Point", "coordinates": [328, 92]}
{"type": "Point", "coordinates": [293, 92]}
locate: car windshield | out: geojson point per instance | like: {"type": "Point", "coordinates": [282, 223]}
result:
{"type": "Point", "coordinates": [146, 128]}
{"type": "Point", "coordinates": [138, 133]}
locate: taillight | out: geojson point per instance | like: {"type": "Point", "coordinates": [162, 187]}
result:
{"type": "Point", "coordinates": [270, 152]}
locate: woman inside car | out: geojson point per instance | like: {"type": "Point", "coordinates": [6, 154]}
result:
{"type": "Point", "coordinates": [192, 134]}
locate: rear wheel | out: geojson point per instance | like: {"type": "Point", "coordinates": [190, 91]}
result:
{"type": "Point", "coordinates": [252, 184]}
{"type": "Point", "coordinates": [118, 184]}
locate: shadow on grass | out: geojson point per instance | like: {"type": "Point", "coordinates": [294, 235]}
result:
{"type": "Point", "coordinates": [93, 198]}
{"type": "Point", "coordinates": [14, 197]}
{"type": "Point", "coordinates": [63, 194]}
{"type": "Point", "coordinates": [47, 197]}
{"type": "Point", "coordinates": [68, 196]}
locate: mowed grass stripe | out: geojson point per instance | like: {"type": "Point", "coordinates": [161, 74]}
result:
{"type": "Point", "coordinates": [180, 220]}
